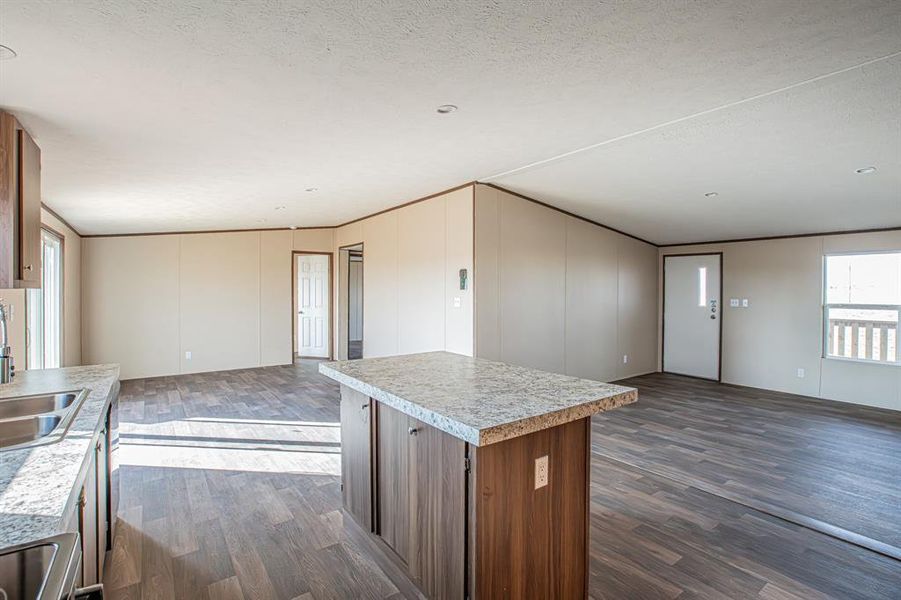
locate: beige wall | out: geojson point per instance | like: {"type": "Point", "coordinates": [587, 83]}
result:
{"type": "Point", "coordinates": [224, 297]}
{"type": "Point", "coordinates": [781, 331]}
{"type": "Point", "coordinates": [557, 293]}
{"type": "Point", "coordinates": [411, 259]}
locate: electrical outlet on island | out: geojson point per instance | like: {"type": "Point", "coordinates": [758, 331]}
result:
{"type": "Point", "coordinates": [541, 472]}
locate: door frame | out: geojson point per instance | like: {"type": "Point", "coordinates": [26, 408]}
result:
{"type": "Point", "coordinates": [294, 300]}
{"type": "Point", "coordinates": [719, 367]}
{"type": "Point", "coordinates": [346, 248]}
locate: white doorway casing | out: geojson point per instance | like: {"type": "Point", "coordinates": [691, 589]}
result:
{"type": "Point", "coordinates": [692, 315]}
{"type": "Point", "coordinates": [312, 305]}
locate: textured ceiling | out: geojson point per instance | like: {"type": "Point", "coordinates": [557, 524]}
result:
{"type": "Point", "coordinates": [175, 115]}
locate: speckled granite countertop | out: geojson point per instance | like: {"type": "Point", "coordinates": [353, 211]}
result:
{"type": "Point", "coordinates": [37, 485]}
{"type": "Point", "coordinates": [477, 400]}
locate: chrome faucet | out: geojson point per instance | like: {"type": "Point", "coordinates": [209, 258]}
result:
{"type": "Point", "coordinates": [7, 368]}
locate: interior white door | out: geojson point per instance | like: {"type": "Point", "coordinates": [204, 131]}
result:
{"type": "Point", "coordinates": [691, 315]}
{"type": "Point", "coordinates": [313, 305]}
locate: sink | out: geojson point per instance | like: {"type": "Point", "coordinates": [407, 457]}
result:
{"type": "Point", "coordinates": [24, 572]}
{"type": "Point", "coordinates": [35, 405]}
{"type": "Point", "coordinates": [35, 420]}
{"type": "Point", "coordinates": [27, 429]}
{"type": "Point", "coordinates": [42, 569]}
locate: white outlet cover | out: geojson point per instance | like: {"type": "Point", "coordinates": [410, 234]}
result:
{"type": "Point", "coordinates": [801, 373]}
{"type": "Point", "coordinates": [541, 472]}
{"type": "Point", "coordinates": [188, 355]}
{"type": "Point", "coordinates": [625, 358]}
{"type": "Point", "coordinates": [744, 302]}
{"type": "Point", "coordinates": [456, 302]}
{"type": "Point", "coordinates": [733, 302]}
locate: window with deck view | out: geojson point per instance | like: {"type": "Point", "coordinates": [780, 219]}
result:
{"type": "Point", "coordinates": [863, 306]}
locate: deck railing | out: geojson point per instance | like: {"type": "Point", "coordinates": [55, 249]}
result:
{"type": "Point", "coordinates": [863, 339]}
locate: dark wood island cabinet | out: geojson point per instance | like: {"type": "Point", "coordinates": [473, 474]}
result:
{"type": "Point", "coordinates": [472, 475]}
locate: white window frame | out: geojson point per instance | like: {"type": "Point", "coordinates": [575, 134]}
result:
{"type": "Point", "coordinates": [45, 321]}
{"type": "Point", "coordinates": [826, 306]}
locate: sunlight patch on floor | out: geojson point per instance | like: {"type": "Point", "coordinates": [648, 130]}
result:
{"type": "Point", "coordinates": [255, 445]}
{"type": "Point", "coordinates": [260, 460]}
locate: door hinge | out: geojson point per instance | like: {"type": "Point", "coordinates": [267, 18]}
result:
{"type": "Point", "coordinates": [466, 465]}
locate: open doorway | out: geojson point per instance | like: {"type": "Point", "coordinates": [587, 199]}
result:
{"type": "Point", "coordinates": [312, 304]}
{"type": "Point", "coordinates": [350, 302]}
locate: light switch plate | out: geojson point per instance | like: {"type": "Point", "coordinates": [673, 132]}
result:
{"type": "Point", "coordinates": [801, 373]}
{"type": "Point", "coordinates": [625, 359]}
{"type": "Point", "coordinates": [744, 303]}
{"type": "Point", "coordinates": [541, 472]}
{"type": "Point", "coordinates": [188, 355]}
{"type": "Point", "coordinates": [733, 302]}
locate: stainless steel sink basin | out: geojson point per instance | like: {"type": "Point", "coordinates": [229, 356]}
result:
{"type": "Point", "coordinates": [35, 405]}
{"type": "Point", "coordinates": [41, 570]}
{"type": "Point", "coordinates": [27, 429]}
{"type": "Point", "coordinates": [24, 572]}
{"type": "Point", "coordinates": [34, 420]}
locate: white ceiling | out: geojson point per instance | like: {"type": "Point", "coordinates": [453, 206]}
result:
{"type": "Point", "coordinates": [209, 114]}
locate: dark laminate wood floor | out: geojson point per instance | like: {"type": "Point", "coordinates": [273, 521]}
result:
{"type": "Point", "coordinates": [230, 490]}
{"type": "Point", "coordinates": [836, 463]}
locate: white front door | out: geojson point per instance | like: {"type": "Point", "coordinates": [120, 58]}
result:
{"type": "Point", "coordinates": [313, 305]}
{"type": "Point", "coordinates": [691, 315]}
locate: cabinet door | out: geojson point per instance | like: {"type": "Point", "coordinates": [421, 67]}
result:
{"type": "Point", "coordinates": [29, 211]}
{"type": "Point", "coordinates": [438, 501]}
{"type": "Point", "coordinates": [393, 479]}
{"type": "Point", "coordinates": [102, 517]}
{"type": "Point", "coordinates": [356, 455]}
{"type": "Point", "coordinates": [9, 200]}
{"type": "Point", "coordinates": [88, 528]}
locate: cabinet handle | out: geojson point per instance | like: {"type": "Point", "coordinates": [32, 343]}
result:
{"type": "Point", "coordinates": [365, 406]}
{"type": "Point", "coordinates": [412, 431]}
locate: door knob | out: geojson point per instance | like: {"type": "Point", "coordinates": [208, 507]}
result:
{"type": "Point", "coordinates": [412, 431]}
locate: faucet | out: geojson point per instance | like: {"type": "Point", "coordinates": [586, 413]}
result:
{"type": "Point", "coordinates": [7, 368]}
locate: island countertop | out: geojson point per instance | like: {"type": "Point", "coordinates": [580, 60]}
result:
{"type": "Point", "coordinates": [38, 484]}
{"type": "Point", "coordinates": [479, 401]}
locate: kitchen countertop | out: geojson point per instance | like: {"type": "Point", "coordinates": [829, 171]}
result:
{"type": "Point", "coordinates": [38, 484]}
{"type": "Point", "coordinates": [479, 401]}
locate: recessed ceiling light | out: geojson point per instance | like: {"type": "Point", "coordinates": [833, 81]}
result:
{"type": "Point", "coordinates": [712, 194]}
{"type": "Point", "coordinates": [446, 108]}
{"type": "Point", "coordinates": [6, 52]}
{"type": "Point", "coordinates": [311, 189]}
{"type": "Point", "coordinates": [865, 170]}
{"type": "Point", "coordinates": [280, 207]}
{"type": "Point", "coordinates": [293, 227]}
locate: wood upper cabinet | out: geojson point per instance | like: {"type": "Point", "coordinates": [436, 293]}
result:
{"type": "Point", "coordinates": [20, 206]}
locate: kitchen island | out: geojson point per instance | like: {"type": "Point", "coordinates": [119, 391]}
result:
{"type": "Point", "coordinates": [473, 475]}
